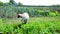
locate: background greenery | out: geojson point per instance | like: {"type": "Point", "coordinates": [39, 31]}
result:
{"type": "Point", "coordinates": [11, 9]}
{"type": "Point", "coordinates": [43, 19]}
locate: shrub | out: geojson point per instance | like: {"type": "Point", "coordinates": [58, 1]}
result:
{"type": "Point", "coordinates": [52, 14]}
{"type": "Point", "coordinates": [56, 12]}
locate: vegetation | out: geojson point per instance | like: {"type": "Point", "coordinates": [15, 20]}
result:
{"type": "Point", "coordinates": [11, 11]}
{"type": "Point", "coordinates": [12, 1]}
{"type": "Point", "coordinates": [35, 25]}
{"type": "Point", "coordinates": [43, 19]}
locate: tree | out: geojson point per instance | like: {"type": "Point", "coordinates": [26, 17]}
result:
{"type": "Point", "coordinates": [56, 5]}
{"type": "Point", "coordinates": [19, 4]}
{"type": "Point", "coordinates": [1, 3]}
{"type": "Point", "coordinates": [11, 2]}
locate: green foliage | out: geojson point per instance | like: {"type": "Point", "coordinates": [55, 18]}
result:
{"type": "Point", "coordinates": [11, 2]}
{"type": "Point", "coordinates": [33, 11]}
{"type": "Point", "coordinates": [52, 14]}
{"type": "Point", "coordinates": [39, 26]}
{"type": "Point", "coordinates": [56, 5]}
{"type": "Point", "coordinates": [56, 12]}
{"type": "Point", "coordinates": [19, 4]}
{"type": "Point", "coordinates": [1, 3]}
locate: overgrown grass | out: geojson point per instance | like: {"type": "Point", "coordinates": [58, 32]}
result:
{"type": "Point", "coordinates": [35, 25]}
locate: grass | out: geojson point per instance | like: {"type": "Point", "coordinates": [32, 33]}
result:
{"type": "Point", "coordinates": [35, 25]}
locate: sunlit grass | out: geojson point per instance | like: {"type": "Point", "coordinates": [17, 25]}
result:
{"type": "Point", "coordinates": [35, 25]}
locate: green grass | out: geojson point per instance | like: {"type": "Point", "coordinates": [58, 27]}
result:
{"type": "Point", "coordinates": [35, 25]}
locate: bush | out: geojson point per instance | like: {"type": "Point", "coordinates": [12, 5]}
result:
{"type": "Point", "coordinates": [52, 14]}
{"type": "Point", "coordinates": [56, 12]}
{"type": "Point", "coordinates": [33, 11]}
